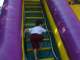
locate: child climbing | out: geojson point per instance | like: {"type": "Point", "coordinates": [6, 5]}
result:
{"type": "Point", "coordinates": [36, 36]}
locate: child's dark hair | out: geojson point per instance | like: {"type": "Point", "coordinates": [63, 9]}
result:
{"type": "Point", "coordinates": [39, 22]}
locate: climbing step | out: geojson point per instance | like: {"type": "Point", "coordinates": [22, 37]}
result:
{"type": "Point", "coordinates": [28, 25]}
{"type": "Point", "coordinates": [34, 14]}
{"type": "Point", "coordinates": [30, 1]}
{"type": "Point", "coordinates": [33, 11]}
{"type": "Point", "coordinates": [31, 20]}
{"type": "Point", "coordinates": [41, 49]}
{"type": "Point", "coordinates": [48, 58]}
{"type": "Point", "coordinates": [34, 17]}
{"type": "Point", "coordinates": [32, 4]}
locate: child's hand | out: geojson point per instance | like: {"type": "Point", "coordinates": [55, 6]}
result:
{"type": "Point", "coordinates": [25, 30]}
{"type": "Point", "coordinates": [49, 30]}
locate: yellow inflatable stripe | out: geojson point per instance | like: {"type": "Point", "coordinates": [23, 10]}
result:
{"type": "Point", "coordinates": [60, 45]}
{"type": "Point", "coordinates": [76, 10]}
{"type": "Point", "coordinates": [22, 30]}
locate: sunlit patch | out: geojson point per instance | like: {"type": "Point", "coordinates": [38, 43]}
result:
{"type": "Point", "coordinates": [63, 29]}
{"type": "Point", "coordinates": [59, 44]}
{"type": "Point", "coordinates": [9, 7]}
{"type": "Point", "coordinates": [56, 30]}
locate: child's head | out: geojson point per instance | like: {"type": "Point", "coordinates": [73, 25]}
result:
{"type": "Point", "coordinates": [39, 22]}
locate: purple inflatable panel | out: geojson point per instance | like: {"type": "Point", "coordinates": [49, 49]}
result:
{"type": "Point", "coordinates": [10, 31]}
{"type": "Point", "coordinates": [68, 25]}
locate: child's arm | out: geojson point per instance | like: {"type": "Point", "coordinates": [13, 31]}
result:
{"type": "Point", "coordinates": [48, 30]}
{"type": "Point", "coordinates": [26, 30]}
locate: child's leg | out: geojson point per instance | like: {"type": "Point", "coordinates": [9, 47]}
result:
{"type": "Point", "coordinates": [35, 49]}
{"type": "Point", "coordinates": [35, 46]}
{"type": "Point", "coordinates": [35, 54]}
